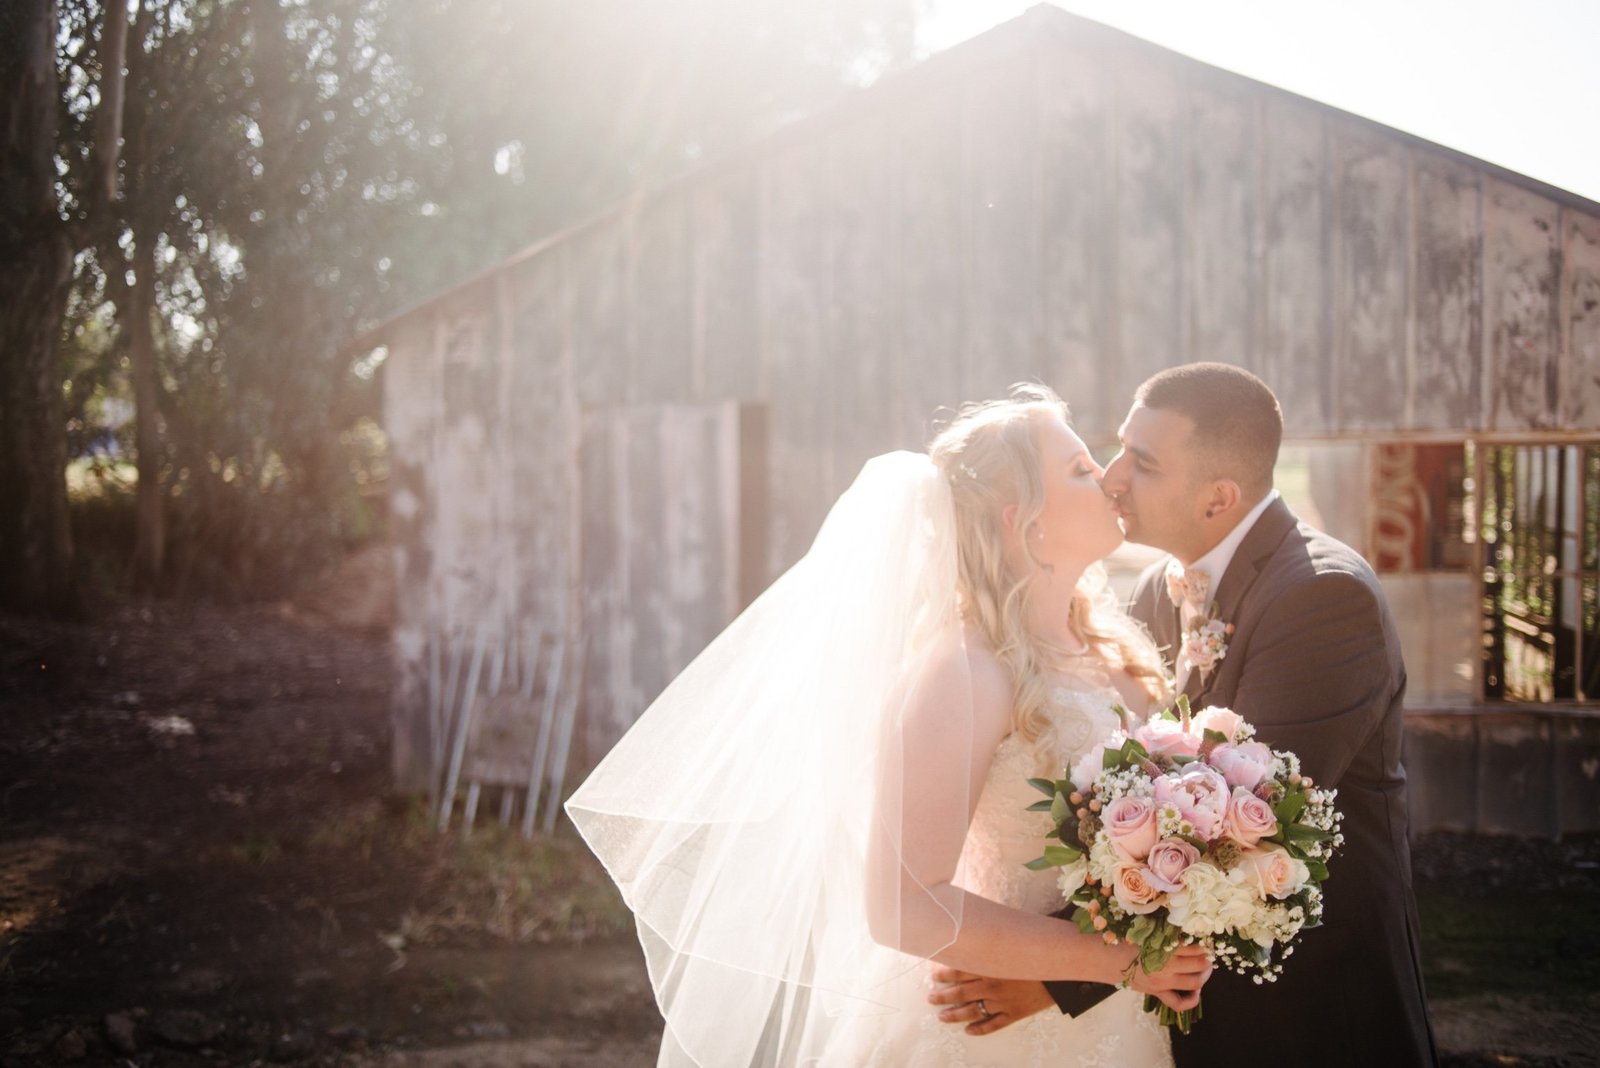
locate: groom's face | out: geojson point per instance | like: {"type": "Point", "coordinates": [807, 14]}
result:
{"type": "Point", "coordinates": [1154, 481]}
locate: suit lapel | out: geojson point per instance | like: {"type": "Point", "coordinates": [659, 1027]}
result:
{"type": "Point", "coordinates": [1253, 553]}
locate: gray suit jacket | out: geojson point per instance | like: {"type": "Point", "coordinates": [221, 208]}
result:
{"type": "Point", "coordinates": [1314, 664]}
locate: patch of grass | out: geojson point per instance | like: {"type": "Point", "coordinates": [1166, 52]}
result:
{"type": "Point", "coordinates": [1544, 943]}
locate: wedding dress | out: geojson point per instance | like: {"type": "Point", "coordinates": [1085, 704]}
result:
{"type": "Point", "coordinates": [762, 816]}
{"type": "Point", "coordinates": [1004, 836]}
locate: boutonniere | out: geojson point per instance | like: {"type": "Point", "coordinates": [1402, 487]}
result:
{"type": "Point", "coordinates": [1205, 642]}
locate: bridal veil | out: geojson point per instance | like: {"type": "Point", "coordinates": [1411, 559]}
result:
{"type": "Point", "coordinates": [753, 816]}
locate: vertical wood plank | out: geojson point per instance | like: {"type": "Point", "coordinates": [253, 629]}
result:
{"type": "Point", "coordinates": [859, 335]}
{"type": "Point", "coordinates": [792, 288]}
{"type": "Point", "coordinates": [660, 301]}
{"type": "Point", "coordinates": [1521, 255]}
{"type": "Point", "coordinates": [1222, 260]}
{"type": "Point", "coordinates": [1002, 160]}
{"type": "Point", "coordinates": [1149, 219]}
{"type": "Point", "coordinates": [1296, 348]}
{"type": "Point", "coordinates": [1369, 309]}
{"type": "Point", "coordinates": [935, 247]}
{"type": "Point", "coordinates": [1580, 262]}
{"type": "Point", "coordinates": [600, 361]}
{"type": "Point", "coordinates": [727, 264]}
{"type": "Point", "coordinates": [1446, 381]}
{"type": "Point", "coordinates": [1077, 269]}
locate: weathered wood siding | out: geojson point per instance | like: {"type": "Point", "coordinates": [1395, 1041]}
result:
{"type": "Point", "coordinates": [1054, 201]}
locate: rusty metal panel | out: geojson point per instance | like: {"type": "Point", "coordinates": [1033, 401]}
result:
{"type": "Point", "coordinates": [934, 250]}
{"type": "Point", "coordinates": [1371, 260]}
{"type": "Point", "coordinates": [1296, 222]}
{"type": "Point", "coordinates": [597, 270]}
{"type": "Point", "coordinates": [1521, 239]}
{"type": "Point", "coordinates": [1222, 261]}
{"type": "Point", "coordinates": [1580, 364]}
{"type": "Point", "coordinates": [1150, 220]}
{"type": "Point", "coordinates": [1441, 771]}
{"type": "Point", "coordinates": [795, 362]}
{"type": "Point", "coordinates": [860, 334]}
{"type": "Point", "coordinates": [1446, 378]}
{"type": "Point", "coordinates": [660, 303]}
{"type": "Point", "coordinates": [726, 361]}
{"type": "Point", "coordinates": [1002, 294]}
{"type": "Point", "coordinates": [1075, 234]}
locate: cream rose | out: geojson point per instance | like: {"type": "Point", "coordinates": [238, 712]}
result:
{"type": "Point", "coordinates": [1272, 872]}
{"type": "Point", "coordinates": [1166, 737]}
{"type": "Point", "coordinates": [1072, 875]}
{"type": "Point", "coordinates": [1088, 768]}
{"type": "Point", "coordinates": [1249, 818]}
{"type": "Point", "coordinates": [1224, 721]}
{"type": "Point", "coordinates": [1167, 862]}
{"type": "Point", "coordinates": [1134, 891]}
{"type": "Point", "coordinates": [1130, 822]}
{"type": "Point", "coordinates": [1244, 764]}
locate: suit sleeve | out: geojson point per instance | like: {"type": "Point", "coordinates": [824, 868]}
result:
{"type": "Point", "coordinates": [1317, 678]}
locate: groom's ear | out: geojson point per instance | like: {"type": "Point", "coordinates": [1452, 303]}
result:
{"type": "Point", "coordinates": [1225, 497]}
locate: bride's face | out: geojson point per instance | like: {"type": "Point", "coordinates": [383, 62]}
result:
{"type": "Point", "coordinates": [1079, 523]}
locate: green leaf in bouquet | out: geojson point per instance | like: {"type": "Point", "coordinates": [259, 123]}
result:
{"type": "Point", "coordinates": [1039, 863]}
{"type": "Point", "coordinates": [1041, 806]}
{"type": "Point", "coordinates": [1062, 854]}
{"type": "Point", "coordinates": [1214, 737]}
{"type": "Point", "coordinates": [1084, 919]}
{"type": "Point", "coordinates": [1319, 870]}
{"type": "Point", "coordinates": [1140, 930]}
{"type": "Point", "coordinates": [1299, 832]}
{"type": "Point", "coordinates": [1044, 786]}
{"type": "Point", "coordinates": [1288, 810]}
{"type": "Point", "coordinates": [1059, 811]}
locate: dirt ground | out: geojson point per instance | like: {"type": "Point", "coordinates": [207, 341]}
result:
{"type": "Point", "coordinates": [200, 863]}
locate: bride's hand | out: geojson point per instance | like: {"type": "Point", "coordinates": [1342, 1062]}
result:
{"type": "Point", "coordinates": [985, 1005]}
{"type": "Point", "coordinates": [1178, 983]}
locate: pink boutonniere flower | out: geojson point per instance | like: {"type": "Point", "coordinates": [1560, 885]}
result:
{"type": "Point", "coordinates": [1205, 642]}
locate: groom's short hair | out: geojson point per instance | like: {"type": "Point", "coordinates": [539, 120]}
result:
{"type": "Point", "coordinates": [1238, 426]}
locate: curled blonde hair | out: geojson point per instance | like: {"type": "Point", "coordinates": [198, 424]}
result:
{"type": "Point", "coordinates": [990, 456]}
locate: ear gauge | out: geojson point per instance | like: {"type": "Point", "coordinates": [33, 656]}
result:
{"type": "Point", "coordinates": [1208, 513]}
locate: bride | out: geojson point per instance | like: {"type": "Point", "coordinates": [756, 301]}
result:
{"type": "Point", "coordinates": [833, 796]}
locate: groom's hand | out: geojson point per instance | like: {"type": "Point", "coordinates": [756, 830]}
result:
{"type": "Point", "coordinates": [1178, 983]}
{"type": "Point", "coordinates": [985, 1005]}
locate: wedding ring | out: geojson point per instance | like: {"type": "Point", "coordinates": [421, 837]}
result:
{"type": "Point", "coordinates": [983, 1009]}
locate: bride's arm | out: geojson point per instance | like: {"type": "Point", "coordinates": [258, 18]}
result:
{"type": "Point", "coordinates": [945, 743]}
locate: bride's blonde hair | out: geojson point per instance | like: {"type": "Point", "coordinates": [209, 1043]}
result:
{"type": "Point", "coordinates": [990, 457]}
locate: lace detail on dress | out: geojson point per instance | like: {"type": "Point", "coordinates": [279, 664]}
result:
{"type": "Point", "coordinates": [1004, 836]}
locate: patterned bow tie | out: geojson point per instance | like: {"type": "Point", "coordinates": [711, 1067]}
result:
{"type": "Point", "coordinates": [1187, 586]}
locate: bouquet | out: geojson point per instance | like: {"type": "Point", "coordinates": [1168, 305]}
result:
{"type": "Point", "coordinates": [1186, 831]}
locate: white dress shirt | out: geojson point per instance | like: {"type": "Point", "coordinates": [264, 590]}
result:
{"type": "Point", "coordinates": [1214, 564]}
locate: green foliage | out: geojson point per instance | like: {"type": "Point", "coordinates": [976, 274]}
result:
{"type": "Point", "coordinates": [295, 171]}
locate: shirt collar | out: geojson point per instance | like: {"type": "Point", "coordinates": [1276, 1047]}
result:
{"type": "Point", "coordinates": [1215, 563]}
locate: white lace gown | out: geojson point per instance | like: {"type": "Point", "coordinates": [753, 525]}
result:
{"type": "Point", "coordinates": [1004, 836]}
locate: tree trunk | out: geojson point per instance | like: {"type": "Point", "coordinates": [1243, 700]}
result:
{"type": "Point", "coordinates": [150, 537]}
{"type": "Point", "coordinates": [35, 272]}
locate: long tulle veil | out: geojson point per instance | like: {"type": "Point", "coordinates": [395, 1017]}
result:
{"type": "Point", "coordinates": [752, 816]}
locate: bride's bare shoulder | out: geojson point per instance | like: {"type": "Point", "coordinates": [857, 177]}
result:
{"type": "Point", "coordinates": [963, 656]}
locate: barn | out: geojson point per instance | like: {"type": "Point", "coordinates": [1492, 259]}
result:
{"type": "Point", "coordinates": [604, 446]}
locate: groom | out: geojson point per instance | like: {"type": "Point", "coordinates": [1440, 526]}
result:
{"type": "Point", "coordinates": [1313, 662]}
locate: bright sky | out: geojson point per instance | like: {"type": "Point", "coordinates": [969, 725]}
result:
{"type": "Point", "coordinates": [1513, 82]}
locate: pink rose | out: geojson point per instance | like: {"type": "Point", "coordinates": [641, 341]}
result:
{"type": "Point", "coordinates": [1130, 823]}
{"type": "Point", "coordinates": [1224, 721]}
{"type": "Point", "coordinates": [1132, 888]}
{"type": "Point", "coordinates": [1249, 818]}
{"type": "Point", "coordinates": [1272, 872]}
{"type": "Point", "coordinates": [1165, 737]}
{"type": "Point", "coordinates": [1168, 861]}
{"type": "Point", "coordinates": [1200, 796]}
{"type": "Point", "coordinates": [1243, 764]}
